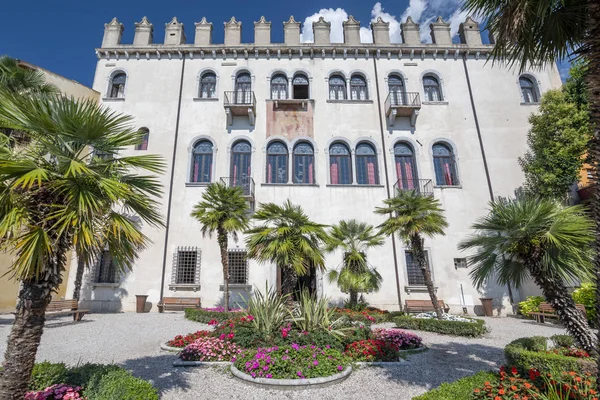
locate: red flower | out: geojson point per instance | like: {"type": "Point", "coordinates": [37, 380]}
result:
{"type": "Point", "coordinates": [513, 371]}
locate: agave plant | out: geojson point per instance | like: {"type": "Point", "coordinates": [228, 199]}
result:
{"type": "Point", "coordinates": [268, 309]}
{"type": "Point", "coordinates": [312, 313]}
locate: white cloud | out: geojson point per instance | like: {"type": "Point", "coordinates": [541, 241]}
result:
{"type": "Point", "coordinates": [414, 10]}
{"type": "Point", "coordinates": [335, 17]}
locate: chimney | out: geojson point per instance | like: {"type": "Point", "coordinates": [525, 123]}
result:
{"type": "Point", "coordinates": [174, 34]}
{"type": "Point", "coordinates": [262, 31]}
{"type": "Point", "coordinates": [321, 31]}
{"type": "Point", "coordinates": [291, 32]}
{"type": "Point", "coordinates": [351, 31]}
{"type": "Point", "coordinates": [143, 33]}
{"type": "Point", "coordinates": [233, 32]}
{"type": "Point", "coordinates": [381, 32]}
{"type": "Point", "coordinates": [469, 33]}
{"type": "Point", "coordinates": [440, 32]}
{"type": "Point", "coordinates": [113, 31]}
{"type": "Point", "coordinates": [410, 32]}
{"type": "Point", "coordinates": [203, 32]}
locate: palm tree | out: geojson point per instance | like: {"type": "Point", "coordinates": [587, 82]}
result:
{"type": "Point", "coordinates": [289, 239]}
{"type": "Point", "coordinates": [541, 239]}
{"type": "Point", "coordinates": [54, 197]}
{"type": "Point", "coordinates": [223, 210]}
{"type": "Point", "coordinates": [19, 79]}
{"type": "Point", "coordinates": [411, 216]}
{"type": "Point", "coordinates": [354, 239]}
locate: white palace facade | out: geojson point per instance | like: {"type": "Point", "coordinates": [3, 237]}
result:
{"type": "Point", "coordinates": [334, 127]}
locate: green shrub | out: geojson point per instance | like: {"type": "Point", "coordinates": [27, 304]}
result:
{"type": "Point", "coordinates": [456, 328]}
{"type": "Point", "coordinates": [46, 374]}
{"type": "Point", "coordinates": [119, 385]}
{"type": "Point", "coordinates": [313, 314]}
{"type": "Point", "coordinates": [204, 316]}
{"type": "Point", "coordinates": [528, 353]}
{"type": "Point", "coordinates": [563, 340]}
{"type": "Point", "coordinates": [586, 295]}
{"type": "Point", "coordinates": [461, 389]}
{"type": "Point", "coordinates": [532, 304]}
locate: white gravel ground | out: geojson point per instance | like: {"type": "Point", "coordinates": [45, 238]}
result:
{"type": "Point", "coordinates": [132, 341]}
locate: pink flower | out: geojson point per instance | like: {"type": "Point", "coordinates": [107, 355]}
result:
{"type": "Point", "coordinates": [340, 368]}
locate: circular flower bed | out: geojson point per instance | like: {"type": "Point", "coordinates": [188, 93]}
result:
{"type": "Point", "coordinates": [55, 392]}
{"type": "Point", "coordinates": [291, 362]}
{"type": "Point", "coordinates": [182, 341]}
{"type": "Point", "coordinates": [210, 349]}
{"type": "Point", "coordinates": [445, 317]}
{"type": "Point", "coordinates": [372, 350]}
{"type": "Point", "coordinates": [402, 339]}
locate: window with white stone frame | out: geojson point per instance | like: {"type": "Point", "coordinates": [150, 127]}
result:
{"type": "Point", "coordinates": [413, 269]}
{"type": "Point", "coordinates": [237, 260]}
{"type": "Point", "coordinates": [186, 266]}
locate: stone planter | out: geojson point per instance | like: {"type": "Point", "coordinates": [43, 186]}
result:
{"type": "Point", "coordinates": [180, 363]}
{"type": "Point", "coordinates": [412, 351]}
{"type": "Point", "coordinates": [291, 384]}
{"type": "Point", "coordinates": [165, 347]}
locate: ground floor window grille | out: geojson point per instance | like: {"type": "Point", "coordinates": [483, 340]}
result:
{"type": "Point", "coordinates": [106, 271]}
{"type": "Point", "coordinates": [238, 266]}
{"type": "Point", "coordinates": [460, 263]}
{"type": "Point", "coordinates": [186, 266]}
{"type": "Point", "coordinates": [413, 269]}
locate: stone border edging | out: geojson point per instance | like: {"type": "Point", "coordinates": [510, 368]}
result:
{"type": "Point", "coordinates": [291, 384]}
{"type": "Point", "coordinates": [179, 363]}
{"type": "Point", "coordinates": [163, 346]}
{"type": "Point", "coordinates": [417, 350]}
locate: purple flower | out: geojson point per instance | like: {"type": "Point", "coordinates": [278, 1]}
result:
{"type": "Point", "coordinates": [340, 368]}
{"type": "Point", "coordinates": [299, 373]}
{"type": "Point", "coordinates": [269, 376]}
{"type": "Point", "coordinates": [315, 362]}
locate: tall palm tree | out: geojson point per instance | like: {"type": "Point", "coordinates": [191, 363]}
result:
{"type": "Point", "coordinates": [288, 238]}
{"type": "Point", "coordinates": [354, 239]}
{"type": "Point", "coordinates": [223, 210]}
{"type": "Point", "coordinates": [541, 239]}
{"type": "Point", "coordinates": [19, 79]}
{"type": "Point", "coordinates": [411, 216]}
{"type": "Point", "coordinates": [53, 199]}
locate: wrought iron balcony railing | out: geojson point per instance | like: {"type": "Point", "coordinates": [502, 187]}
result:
{"type": "Point", "coordinates": [246, 183]}
{"type": "Point", "coordinates": [422, 186]}
{"type": "Point", "coordinates": [402, 104]}
{"type": "Point", "coordinates": [240, 98]}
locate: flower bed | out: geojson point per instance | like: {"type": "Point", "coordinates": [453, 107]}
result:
{"type": "Point", "coordinates": [181, 341]}
{"type": "Point", "coordinates": [368, 316]}
{"type": "Point", "coordinates": [56, 392]}
{"type": "Point", "coordinates": [473, 328]}
{"type": "Point", "coordinates": [208, 349]}
{"type": "Point", "coordinates": [291, 362]}
{"type": "Point", "coordinates": [403, 340]}
{"type": "Point", "coordinates": [210, 315]}
{"type": "Point", "coordinates": [372, 350]}
{"type": "Point", "coordinates": [445, 317]}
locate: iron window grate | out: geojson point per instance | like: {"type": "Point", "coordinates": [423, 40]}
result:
{"type": "Point", "coordinates": [413, 269]}
{"type": "Point", "coordinates": [238, 266]}
{"type": "Point", "coordinates": [460, 263]}
{"type": "Point", "coordinates": [106, 271]}
{"type": "Point", "coordinates": [186, 266]}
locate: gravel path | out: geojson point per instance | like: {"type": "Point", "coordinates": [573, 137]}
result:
{"type": "Point", "coordinates": [132, 341]}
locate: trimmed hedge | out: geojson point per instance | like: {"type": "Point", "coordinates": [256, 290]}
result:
{"type": "Point", "coordinates": [530, 352]}
{"type": "Point", "coordinates": [456, 328]}
{"type": "Point", "coordinates": [99, 382]}
{"type": "Point", "coordinates": [461, 389]}
{"type": "Point", "coordinates": [203, 316]}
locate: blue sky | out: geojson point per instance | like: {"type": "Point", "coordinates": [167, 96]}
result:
{"type": "Point", "coordinates": [61, 35]}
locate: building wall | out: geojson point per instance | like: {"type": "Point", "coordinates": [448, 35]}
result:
{"type": "Point", "coordinates": [152, 97]}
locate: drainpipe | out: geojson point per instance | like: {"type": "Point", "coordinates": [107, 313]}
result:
{"type": "Point", "coordinates": [170, 200]}
{"type": "Point", "coordinates": [387, 178]}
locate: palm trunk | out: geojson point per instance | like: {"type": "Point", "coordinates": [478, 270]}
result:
{"type": "Point", "coordinates": [417, 248]}
{"type": "Point", "coordinates": [222, 239]}
{"type": "Point", "coordinates": [593, 58]}
{"type": "Point", "coordinates": [78, 279]}
{"type": "Point", "coordinates": [353, 298]}
{"type": "Point", "coordinates": [288, 282]}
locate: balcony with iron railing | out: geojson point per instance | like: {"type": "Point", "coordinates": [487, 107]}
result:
{"type": "Point", "coordinates": [402, 104]}
{"type": "Point", "coordinates": [240, 103]}
{"type": "Point", "coordinates": [246, 183]}
{"type": "Point", "coordinates": [422, 186]}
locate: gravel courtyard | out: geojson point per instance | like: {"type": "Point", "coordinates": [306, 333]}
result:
{"type": "Point", "coordinates": [132, 341]}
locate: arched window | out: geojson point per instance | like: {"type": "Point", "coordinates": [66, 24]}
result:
{"type": "Point", "coordinates": [277, 162]}
{"type": "Point", "coordinates": [300, 86]}
{"type": "Point", "coordinates": [208, 85]}
{"type": "Point", "coordinates": [366, 165]}
{"type": "Point", "coordinates": [358, 88]}
{"type": "Point", "coordinates": [528, 89]}
{"type": "Point", "coordinates": [202, 160]}
{"type": "Point", "coordinates": [279, 87]}
{"type": "Point", "coordinates": [304, 160]}
{"type": "Point", "coordinates": [144, 144]}
{"type": "Point", "coordinates": [243, 88]}
{"type": "Point", "coordinates": [116, 90]}
{"type": "Point", "coordinates": [241, 154]}
{"type": "Point", "coordinates": [340, 164]}
{"type": "Point", "coordinates": [445, 165]}
{"type": "Point", "coordinates": [431, 88]}
{"type": "Point", "coordinates": [397, 90]}
{"type": "Point", "coordinates": [337, 88]}
{"type": "Point", "coordinates": [406, 169]}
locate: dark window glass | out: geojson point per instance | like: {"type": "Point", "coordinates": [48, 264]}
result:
{"type": "Point", "coordinates": [107, 271]}
{"type": "Point", "coordinates": [413, 269]}
{"type": "Point", "coordinates": [528, 90]}
{"type": "Point", "coordinates": [277, 161]}
{"type": "Point", "coordinates": [237, 262]}
{"type": "Point", "coordinates": [241, 154]}
{"type": "Point", "coordinates": [444, 164]}
{"type": "Point", "coordinates": [208, 86]}
{"type": "Point", "coordinates": [340, 164]}
{"type": "Point", "coordinates": [300, 86]}
{"type": "Point", "coordinates": [397, 91]}
{"type": "Point", "coordinates": [117, 86]}
{"type": "Point", "coordinates": [144, 144]}
{"type": "Point", "coordinates": [337, 88]}
{"type": "Point", "coordinates": [279, 87]}
{"type": "Point", "coordinates": [431, 87]}
{"type": "Point", "coordinates": [358, 88]}
{"type": "Point", "coordinates": [406, 170]}
{"type": "Point", "coordinates": [243, 89]}
{"type": "Point", "coordinates": [187, 264]}
{"type": "Point", "coordinates": [202, 159]}
{"type": "Point", "coordinates": [304, 159]}
{"type": "Point", "coordinates": [366, 165]}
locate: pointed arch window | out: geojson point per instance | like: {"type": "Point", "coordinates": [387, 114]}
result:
{"type": "Point", "coordinates": [241, 157]}
{"type": "Point", "coordinates": [277, 162]}
{"type": "Point", "coordinates": [528, 90]}
{"type": "Point", "coordinates": [445, 165]}
{"type": "Point", "coordinates": [337, 87]}
{"type": "Point", "coordinates": [358, 88]}
{"type": "Point", "coordinates": [116, 89]}
{"type": "Point", "coordinates": [366, 164]}
{"type": "Point", "coordinates": [279, 87]}
{"type": "Point", "coordinates": [397, 90]}
{"type": "Point", "coordinates": [300, 86]}
{"type": "Point", "coordinates": [406, 169]}
{"type": "Point", "coordinates": [208, 86]}
{"type": "Point", "coordinates": [202, 162]}
{"type": "Point", "coordinates": [144, 144]}
{"type": "Point", "coordinates": [304, 163]}
{"type": "Point", "coordinates": [243, 88]}
{"type": "Point", "coordinates": [340, 164]}
{"type": "Point", "coordinates": [431, 88]}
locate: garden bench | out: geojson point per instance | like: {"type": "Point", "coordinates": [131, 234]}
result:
{"type": "Point", "coordinates": [418, 306]}
{"type": "Point", "coordinates": [547, 311]}
{"type": "Point", "coordinates": [178, 303]}
{"type": "Point", "coordinates": [65, 307]}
